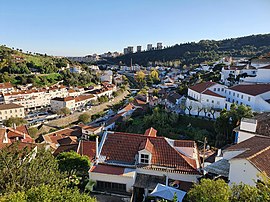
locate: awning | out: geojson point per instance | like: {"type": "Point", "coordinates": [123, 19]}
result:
{"type": "Point", "coordinates": [168, 193]}
{"type": "Point", "coordinates": [148, 181]}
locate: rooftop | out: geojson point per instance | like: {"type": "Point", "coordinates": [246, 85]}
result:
{"type": "Point", "coordinates": [202, 86]}
{"type": "Point", "coordinates": [10, 106]}
{"type": "Point", "coordinates": [252, 89]}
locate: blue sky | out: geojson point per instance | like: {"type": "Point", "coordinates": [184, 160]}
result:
{"type": "Point", "coordinates": [80, 27]}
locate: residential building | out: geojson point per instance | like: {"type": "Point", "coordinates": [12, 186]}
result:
{"type": "Point", "coordinates": [16, 134]}
{"type": "Point", "coordinates": [72, 103]}
{"type": "Point", "coordinates": [159, 46]}
{"type": "Point", "coordinates": [127, 163]}
{"type": "Point", "coordinates": [91, 130]}
{"type": "Point", "coordinates": [11, 110]}
{"type": "Point", "coordinates": [206, 95]}
{"type": "Point", "coordinates": [256, 96]}
{"type": "Point", "coordinates": [244, 162]}
{"type": "Point", "coordinates": [35, 98]}
{"type": "Point", "coordinates": [149, 47]}
{"type": "Point", "coordinates": [59, 103]}
{"type": "Point", "coordinates": [6, 87]}
{"type": "Point", "coordinates": [66, 136]}
{"type": "Point", "coordinates": [262, 75]}
{"type": "Point", "coordinates": [107, 76]}
{"type": "Point", "coordinates": [139, 49]}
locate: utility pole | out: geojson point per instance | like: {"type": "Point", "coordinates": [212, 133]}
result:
{"type": "Point", "coordinates": [204, 150]}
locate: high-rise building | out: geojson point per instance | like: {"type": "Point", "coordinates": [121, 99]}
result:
{"type": "Point", "coordinates": [139, 49]}
{"type": "Point", "coordinates": [125, 51]}
{"type": "Point", "coordinates": [149, 47]}
{"type": "Point", "coordinates": [159, 46]}
{"type": "Point", "coordinates": [130, 49]}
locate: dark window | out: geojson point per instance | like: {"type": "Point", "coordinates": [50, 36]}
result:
{"type": "Point", "coordinates": [111, 186]}
{"type": "Point", "coordinates": [145, 158]}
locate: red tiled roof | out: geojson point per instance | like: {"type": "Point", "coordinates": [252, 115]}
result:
{"type": "Point", "coordinates": [123, 147]}
{"type": "Point", "coordinates": [83, 97]}
{"type": "Point", "coordinates": [128, 107]}
{"type": "Point", "coordinates": [105, 169]}
{"type": "Point", "coordinates": [6, 85]}
{"type": "Point", "coordinates": [10, 106]}
{"type": "Point", "coordinates": [69, 98]}
{"type": "Point", "coordinates": [202, 86]}
{"type": "Point", "coordinates": [87, 148]}
{"type": "Point", "coordinates": [146, 144]}
{"type": "Point", "coordinates": [151, 132]}
{"type": "Point", "coordinates": [252, 89]}
{"type": "Point", "coordinates": [209, 92]}
{"type": "Point", "coordinates": [65, 148]}
{"type": "Point", "coordinates": [256, 150]}
{"type": "Point", "coordinates": [184, 143]}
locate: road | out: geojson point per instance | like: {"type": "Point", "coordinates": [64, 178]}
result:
{"type": "Point", "coordinates": [74, 117]}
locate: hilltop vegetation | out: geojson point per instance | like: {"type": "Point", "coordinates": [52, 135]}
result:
{"type": "Point", "coordinates": [18, 68]}
{"type": "Point", "coordinates": [16, 62]}
{"type": "Point", "coordinates": [205, 50]}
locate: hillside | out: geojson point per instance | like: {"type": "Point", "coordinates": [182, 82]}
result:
{"type": "Point", "coordinates": [16, 62]}
{"type": "Point", "coordinates": [204, 50]}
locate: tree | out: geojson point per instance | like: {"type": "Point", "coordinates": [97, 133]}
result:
{"type": "Point", "coordinates": [14, 120]}
{"type": "Point", "coordinates": [20, 175]}
{"type": "Point", "coordinates": [153, 76]}
{"type": "Point", "coordinates": [140, 77]}
{"type": "Point", "coordinates": [64, 111]}
{"type": "Point", "coordinates": [209, 191]}
{"type": "Point", "coordinates": [228, 120]}
{"type": "Point", "coordinates": [85, 118]}
{"type": "Point", "coordinates": [74, 164]}
{"type": "Point", "coordinates": [33, 132]}
{"type": "Point", "coordinates": [46, 193]}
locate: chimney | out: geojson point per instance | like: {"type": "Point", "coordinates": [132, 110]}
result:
{"type": "Point", "coordinates": [14, 126]}
{"type": "Point", "coordinates": [97, 149]}
{"type": "Point", "coordinates": [5, 140]}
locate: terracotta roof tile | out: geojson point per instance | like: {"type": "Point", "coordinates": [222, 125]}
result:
{"type": "Point", "coordinates": [209, 92]}
{"type": "Point", "coordinates": [124, 147]}
{"type": "Point", "coordinates": [151, 132]}
{"type": "Point", "coordinates": [252, 89]}
{"type": "Point", "coordinates": [105, 169]}
{"type": "Point", "coordinates": [202, 86]}
{"type": "Point", "coordinates": [87, 148]}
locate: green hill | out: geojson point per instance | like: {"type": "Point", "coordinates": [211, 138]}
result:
{"type": "Point", "coordinates": [204, 50]}
{"type": "Point", "coordinates": [17, 62]}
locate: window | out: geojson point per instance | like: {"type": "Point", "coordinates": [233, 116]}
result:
{"type": "Point", "coordinates": [111, 186]}
{"type": "Point", "coordinates": [242, 96]}
{"type": "Point", "coordinates": [249, 99]}
{"type": "Point", "coordinates": [229, 99]}
{"type": "Point", "coordinates": [229, 92]}
{"type": "Point", "coordinates": [233, 94]}
{"type": "Point", "coordinates": [207, 100]}
{"type": "Point", "coordinates": [214, 89]}
{"type": "Point", "coordinates": [145, 158]}
{"type": "Point", "coordinates": [218, 102]}
{"type": "Point", "coordinates": [213, 101]}
{"type": "Point", "coordinates": [237, 94]}
{"type": "Point", "coordinates": [218, 89]}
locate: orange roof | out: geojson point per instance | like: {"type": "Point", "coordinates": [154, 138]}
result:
{"type": "Point", "coordinates": [252, 89]}
{"type": "Point", "coordinates": [123, 148]}
{"type": "Point", "coordinates": [209, 92]}
{"type": "Point", "coordinates": [106, 169]}
{"type": "Point", "coordinates": [87, 148]}
{"type": "Point", "coordinates": [83, 97]}
{"type": "Point", "coordinates": [6, 85]}
{"type": "Point", "coordinates": [151, 132]}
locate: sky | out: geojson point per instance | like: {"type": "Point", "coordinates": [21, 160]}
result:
{"type": "Point", "coordinates": [82, 27]}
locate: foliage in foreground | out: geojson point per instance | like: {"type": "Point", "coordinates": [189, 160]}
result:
{"type": "Point", "coordinates": [219, 191]}
{"type": "Point", "coordinates": [26, 175]}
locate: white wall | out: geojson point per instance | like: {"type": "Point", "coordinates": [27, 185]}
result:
{"type": "Point", "coordinates": [128, 180]}
{"type": "Point", "coordinates": [242, 136]}
{"type": "Point", "coordinates": [241, 170]}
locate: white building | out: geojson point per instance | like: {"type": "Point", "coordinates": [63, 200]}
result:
{"type": "Point", "coordinates": [35, 98]}
{"type": "Point", "coordinates": [128, 162]}
{"type": "Point", "coordinates": [6, 87]}
{"type": "Point", "coordinates": [250, 155]}
{"type": "Point", "coordinates": [208, 98]}
{"type": "Point", "coordinates": [11, 110]}
{"type": "Point", "coordinates": [256, 96]}
{"type": "Point", "coordinates": [261, 75]}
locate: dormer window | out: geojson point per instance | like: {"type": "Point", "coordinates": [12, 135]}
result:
{"type": "Point", "coordinates": [145, 158]}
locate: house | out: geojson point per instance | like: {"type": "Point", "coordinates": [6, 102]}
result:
{"type": "Point", "coordinates": [262, 75]}
{"type": "Point", "coordinates": [59, 103]}
{"type": "Point", "coordinates": [6, 87]}
{"type": "Point", "coordinates": [249, 157]}
{"type": "Point", "coordinates": [91, 130]}
{"type": "Point", "coordinates": [128, 162]}
{"type": "Point", "coordinates": [11, 110]}
{"type": "Point", "coordinates": [128, 110]}
{"type": "Point", "coordinates": [256, 96]}
{"type": "Point", "coordinates": [16, 134]}
{"type": "Point", "coordinates": [173, 102]}
{"type": "Point", "coordinates": [66, 136]}
{"type": "Point", "coordinates": [206, 95]}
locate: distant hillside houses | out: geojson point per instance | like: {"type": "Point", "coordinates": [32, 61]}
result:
{"type": "Point", "coordinates": [209, 98]}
